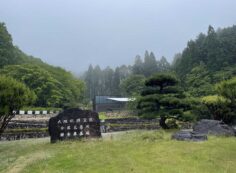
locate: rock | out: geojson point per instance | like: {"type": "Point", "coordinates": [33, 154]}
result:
{"type": "Point", "coordinates": [234, 127]}
{"type": "Point", "coordinates": [188, 135]}
{"type": "Point", "coordinates": [213, 127]}
{"type": "Point", "coordinates": [74, 124]}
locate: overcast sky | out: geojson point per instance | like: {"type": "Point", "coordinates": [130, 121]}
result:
{"type": "Point", "coordinates": [74, 33]}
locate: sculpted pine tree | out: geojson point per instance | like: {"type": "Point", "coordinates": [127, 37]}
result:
{"type": "Point", "coordinates": [162, 98]}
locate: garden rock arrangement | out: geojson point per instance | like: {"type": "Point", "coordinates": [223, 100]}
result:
{"type": "Point", "coordinates": [202, 128]}
{"type": "Point", "coordinates": [189, 135]}
{"type": "Point", "coordinates": [213, 127]}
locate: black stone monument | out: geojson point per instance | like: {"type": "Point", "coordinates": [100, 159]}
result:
{"type": "Point", "coordinates": [74, 124]}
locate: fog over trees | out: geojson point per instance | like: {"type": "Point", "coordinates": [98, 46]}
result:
{"type": "Point", "coordinates": [109, 81]}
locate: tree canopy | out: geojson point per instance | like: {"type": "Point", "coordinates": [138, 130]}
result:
{"type": "Point", "coordinates": [132, 85]}
{"type": "Point", "coordinates": [216, 50]}
{"type": "Point", "coordinates": [110, 81]}
{"type": "Point", "coordinates": [53, 86]}
{"type": "Point", "coordinates": [162, 98]}
{"type": "Point", "coordinates": [13, 96]}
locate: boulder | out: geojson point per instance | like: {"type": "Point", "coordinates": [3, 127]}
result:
{"type": "Point", "coordinates": [188, 135]}
{"type": "Point", "coordinates": [74, 124]}
{"type": "Point", "coordinates": [213, 127]}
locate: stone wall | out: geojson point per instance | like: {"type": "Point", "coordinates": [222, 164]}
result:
{"type": "Point", "coordinates": [122, 124]}
{"type": "Point", "coordinates": [30, 122]}
{"type": "Point", "coordinates": [26, 124]}
{"type": "Point", "coordinates": [23, 135]}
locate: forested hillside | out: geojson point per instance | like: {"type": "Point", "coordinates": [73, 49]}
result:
{"type": "Point", "coordinates": [117, 82]}
{"type": "Point", "coordinates": [207, 60]}
{"type": "Point", "coordinates": [204, 85]}
{"type": "Point", "coordinates": [53, 86]}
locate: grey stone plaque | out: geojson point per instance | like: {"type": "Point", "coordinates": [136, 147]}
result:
{"type": "Point", "coordinates": [74, 124]}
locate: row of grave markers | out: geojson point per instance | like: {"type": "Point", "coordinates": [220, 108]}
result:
{"type": "Point", "coordinates": [44, 112]}
{"type": "Point", "coordinates": [78, 120]}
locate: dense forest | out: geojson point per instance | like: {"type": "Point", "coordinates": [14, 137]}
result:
{"type": "Point", "coordinates": [200, 82]}
{"type": "Point", "coordinates": [115, 82]}
{"type": "Point", "coordinates": [53, 86]}
{"type": "Point", "coordinates": [207, 60]}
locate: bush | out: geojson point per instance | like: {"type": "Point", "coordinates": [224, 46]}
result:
{"type": "Point", "coordinates": [171, 123]}
{"type": "Point", "coordinates": [13, 96]}
{"type": "Point", "coordinates": [188, 117]}
{"type": "Point", "coordinates": [219, 108]}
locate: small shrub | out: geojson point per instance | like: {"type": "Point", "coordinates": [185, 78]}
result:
{"type": "Point", "coordinates": [171, 123]}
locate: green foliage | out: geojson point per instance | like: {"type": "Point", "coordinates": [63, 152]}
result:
{"type": "Point", "coordinates": [27, 108]}
{"type": "Point", "coordinates": [13, 96]}
{"type": "Point", "coordinates": [149, 64]}
{"type": "Point", "coordinates": [224, 74]}
{"type": "Point", "coordinates": [227, 89]}
{"type": "Point", "coordinates": [104, 82]}
{"type": "Point", "coordinates": [171, 123]}
{"type": "Point", "coordinates": [223, 107]}
{"type": "Point", "coordinates": [53, 89]}
{"type": "Point", "coordinates": [163, 65]}
{"type": "Point", "coordinates": [188, 116]}
{"type": "Point", "coordinates": [207, 60]}
{"type": "Point", "coordinates": [72, 89]}
{"type": "Point", "coordinates": [53, 85]}
{"type": "Point", "coordinates": [213, 100]}
{"type": "Point", "coordinates": [118, 82]}
{"type": "Point", "coordinates": [39, 80]}
{"type": "Point", "coordinates": [216, 50]}
{"type": "Point", "coordinates": [217, 106]}
{"type": "Point", "coordinates": [161, 80]}
{"type": "Point", "coordinates": [7, 54]}
{"type": "Point", "coordinates": [198, 81]}
{"type": "Point", "coordinates": [137, 68]}
{"type": "Point", "coordinates": [164, 102]}
{"type": "Point", "coordinates": [132, 85]}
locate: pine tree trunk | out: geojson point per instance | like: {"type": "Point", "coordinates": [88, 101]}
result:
{"type": "Point", "coordinates": [163, 123]}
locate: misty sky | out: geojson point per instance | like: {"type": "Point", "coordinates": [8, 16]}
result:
{"type": "Point", "coordinates": [74, 33]}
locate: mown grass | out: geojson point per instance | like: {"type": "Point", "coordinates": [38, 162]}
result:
{"type": "Point", "coordinates": [137, 151]}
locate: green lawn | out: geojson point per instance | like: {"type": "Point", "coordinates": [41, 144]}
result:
{"type": "Point", "coordinates": [137, 151]}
